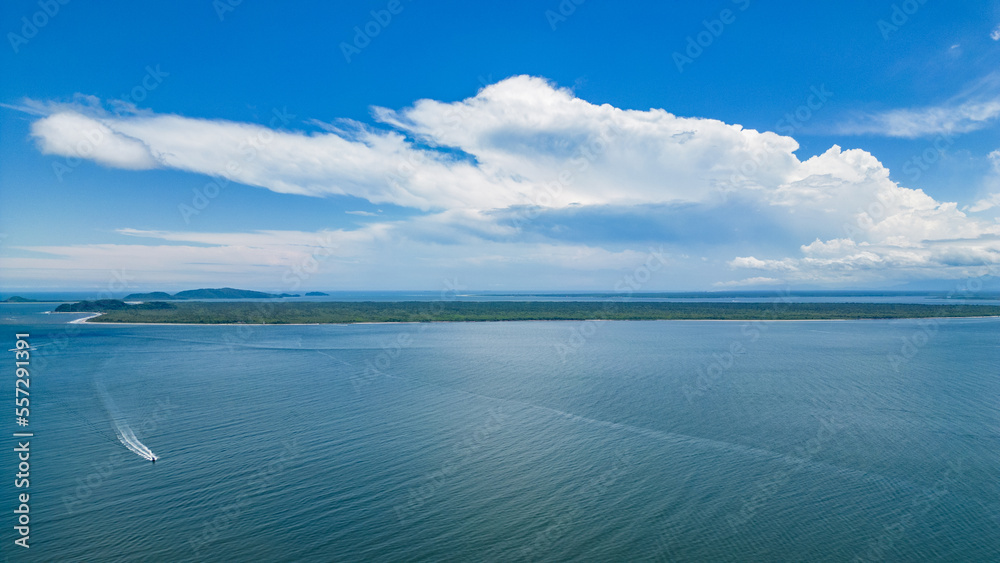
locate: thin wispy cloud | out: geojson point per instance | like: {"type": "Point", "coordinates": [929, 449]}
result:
{"type": "Point", "coordinates": [750, 282]}
{"type": "Point", "coordinates": [976, 108]}
{"type": "Point", "coordinates": [992, 200]}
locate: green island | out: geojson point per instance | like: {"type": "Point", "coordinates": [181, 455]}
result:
{"type": "Point", "coordinates": [207, 293]}
{"type": "Point", "coordinates": [19, 299]}
{"type": "Point", "coordinates": [115, 311]}
{"type": "Point", "coordinates": [106, 305]}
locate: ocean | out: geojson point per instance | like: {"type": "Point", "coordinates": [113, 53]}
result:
{"type": "Point", "coordinates": [511, 441]}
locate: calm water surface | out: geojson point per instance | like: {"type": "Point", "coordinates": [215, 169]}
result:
{"type": "Point", "coordinates": [518, 441]}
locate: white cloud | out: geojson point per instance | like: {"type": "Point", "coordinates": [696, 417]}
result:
{"type": "Point", "coordinates": [373, 257]}
{"type": "Point", "coordinates": [993, 199]}
{"type": "Point", "coordinates": [73, 135]}
{"type": "Point", "coordinates": [758, 281]}
{"type": "Point", "coordinates": [523, 144]}
{"type": "Point", "coordinates": [995, 34]}
{"type": "Point", "coordinates": [977, 107]}
{"type": "Point", "coordinates": [927, 121]}
{"type": "Point", "coordinates": [988, 202]}
{"type": "Point", "coordinates": [525, 135]}
{"type": "Point", "coordinates": [757, 264]}
{"type": "Point", "coordinates": [846, 261]}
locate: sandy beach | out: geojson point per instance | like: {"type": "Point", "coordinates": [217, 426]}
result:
{"type": "Point", "coordinates": [86, 319]}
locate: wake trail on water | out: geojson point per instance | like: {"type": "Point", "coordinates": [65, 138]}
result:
{"type": "Point", "coordinates": [125, 434]}
{"type": "Point", "coordinates": [127, 437]}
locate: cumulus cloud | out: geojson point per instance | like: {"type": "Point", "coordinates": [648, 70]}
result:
{"type": "Point", "coordinates": [529, 142]}
{"type": "Point", "coordinates": [523, 152]}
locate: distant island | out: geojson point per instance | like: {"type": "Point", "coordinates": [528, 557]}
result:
{"type": "Point", "coordinates": [219, 293]}
{"type": "Point", "coordinates": [19, 299]}
{"type": "Point", "coordinates": [317, 294]}
{"type": "Point", "coordinates": [337, 312]}
{"type": "Point", "coordinates": [104, 305]}
{"type": "Point", "coordinates": [154, 296]}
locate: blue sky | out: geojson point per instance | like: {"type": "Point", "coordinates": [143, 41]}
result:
{"type": "Point", "coordinates": [751, 145]}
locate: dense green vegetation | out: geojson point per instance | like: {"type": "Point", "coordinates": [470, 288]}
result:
{"type": "Point", "coordinates": [421, 311]}
{"type": "Point", "coordinates": [225, 293]}
{"type": "Point", "coordinates": [218, 293]}
{"type": "Point", "coordinates": [762, 294]}
{"type": "Point", "coordinates": [104, 305]}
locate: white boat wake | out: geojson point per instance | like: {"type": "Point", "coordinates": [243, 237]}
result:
{"type": "Point", "coordinates": [127, 437]}
{"type": "Point", "coordinates": [122, 429]}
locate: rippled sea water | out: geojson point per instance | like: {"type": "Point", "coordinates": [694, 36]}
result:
{"type": "Point", "coordinates": [516, 441]}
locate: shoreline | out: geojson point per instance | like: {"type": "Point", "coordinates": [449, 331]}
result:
{"type": "Point", "coordinates": [84, 319]}
{"type": "Point", "coordinates": [115, 323]}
